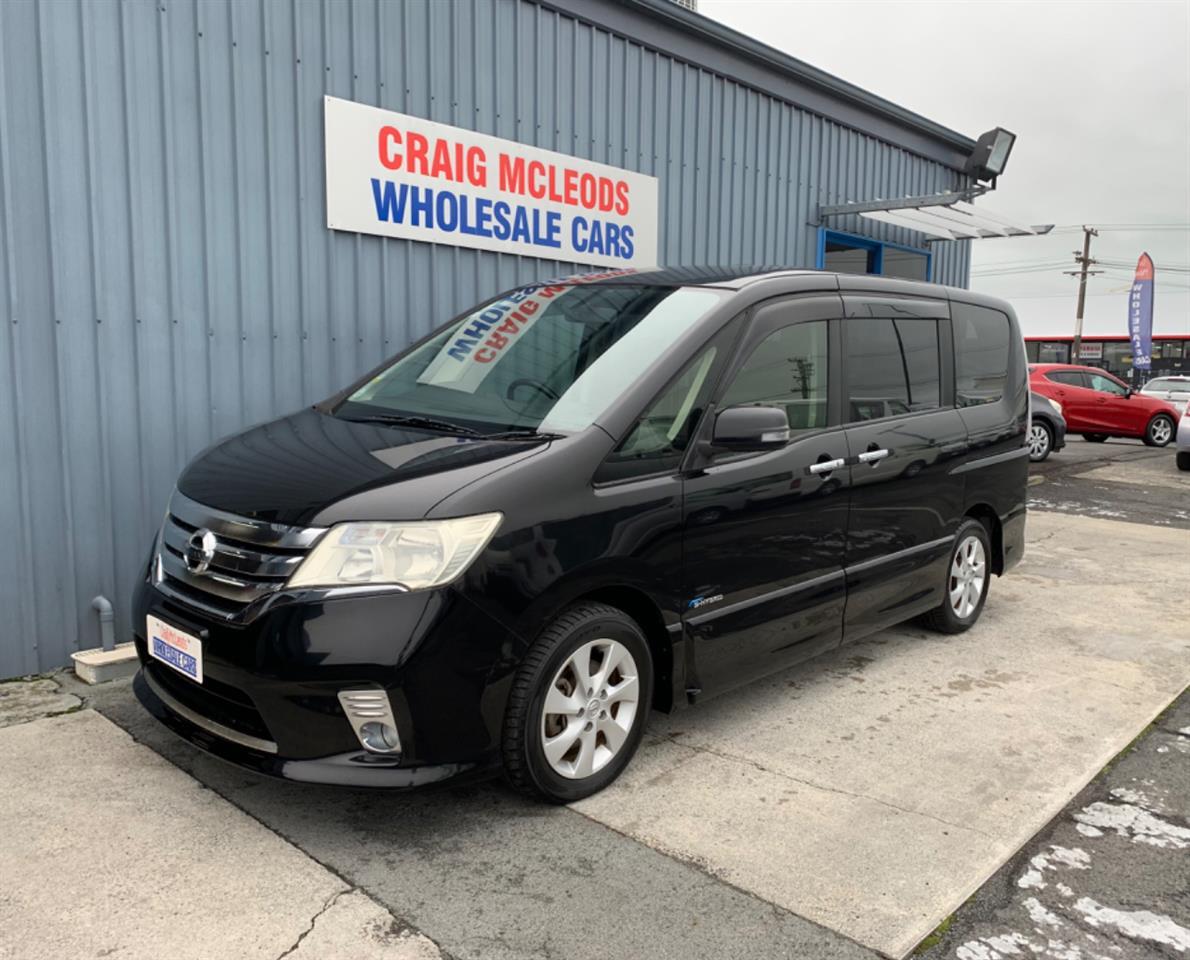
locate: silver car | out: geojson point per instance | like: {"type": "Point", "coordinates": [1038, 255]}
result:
{"type": "Point", "coordinates": [1175, 388]}
{"type": "Point", "coordinates": [1183, 440]}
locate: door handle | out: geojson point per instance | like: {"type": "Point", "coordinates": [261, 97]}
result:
{"type": "Point", "coordinates": [872, 456]}
{"type": "Point", "coordinates": [827, 466]}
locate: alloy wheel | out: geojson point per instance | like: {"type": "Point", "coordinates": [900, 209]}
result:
{"type": "Point", "coordinates": [590, 707]}
{"type": "Point", "coordinates": [968, 571]}
{"type": "Point", "coordinates": [1039, 441]}
{"type": "Point", "coordinates": [1160, 431]}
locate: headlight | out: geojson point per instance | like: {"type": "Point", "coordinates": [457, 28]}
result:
{"type": "Point", "coordinates": [1057, 406]}
{"type": "Point", "coordinates": [414, 555]}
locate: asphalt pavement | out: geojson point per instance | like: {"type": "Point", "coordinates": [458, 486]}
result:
{"type": "Point", "coordinates": [1116, 480]}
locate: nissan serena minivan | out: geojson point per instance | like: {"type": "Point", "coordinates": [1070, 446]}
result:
{"type": "Point", "coordinates": [580, 501]}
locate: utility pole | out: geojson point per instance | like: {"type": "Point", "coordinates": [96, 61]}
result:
{"type": "Point", "coordinates": [1084, 261]}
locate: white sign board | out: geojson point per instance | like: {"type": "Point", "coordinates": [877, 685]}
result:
{"type": "Point", "coordinates": [394, 175]}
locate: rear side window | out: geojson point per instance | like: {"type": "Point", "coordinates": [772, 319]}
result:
{"type": "Point", "coordinates": [981, 353]}
{"type": "Point", "coordinates": [893, 367]}
{"type": "Point", "coordinates": [1068, 378]}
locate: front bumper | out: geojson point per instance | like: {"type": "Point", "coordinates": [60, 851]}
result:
{"type": "Point", "coordinates": [269, 697]}
{"type": "Point", "coordinates": [354, 768]}
{"type": "Point", "coordinates": [1059, 426]}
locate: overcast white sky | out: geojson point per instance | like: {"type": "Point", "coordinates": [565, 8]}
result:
{"type": "Point", "coordinates": [1098, 94]}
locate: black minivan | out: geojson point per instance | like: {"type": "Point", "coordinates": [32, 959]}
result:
{"type": "Point", "coordinates": [582, 500]}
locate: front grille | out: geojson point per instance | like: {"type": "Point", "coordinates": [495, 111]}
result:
{"type": "Point", "coordinates": [251, 558]}
{"type": "Point", "coordinates": [216, 701]}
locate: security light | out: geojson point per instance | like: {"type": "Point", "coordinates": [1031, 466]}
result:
{"type": "Point", "coordinates": [990, 156]}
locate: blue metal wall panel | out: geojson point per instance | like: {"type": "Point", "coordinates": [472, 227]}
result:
{"type": "Point", "coordinates": [166, 275]}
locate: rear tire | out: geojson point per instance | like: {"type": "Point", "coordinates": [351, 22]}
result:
{"type": "Point", "coordinates": [578, 705]}
{"type": "Point", "coordinates": [1159, 431]}
{"type": "Point", "coordinates": [968, 575]}
{"type": "Point", "coordinates": [1040, 441]}
{"type": "Point", "coordinates": [1094, 437]}
{"type": "Point", "coordinates": [1184, 459]}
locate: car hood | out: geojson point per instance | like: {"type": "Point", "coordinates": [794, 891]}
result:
{"type": "Point", "coordinates": [303, 468]}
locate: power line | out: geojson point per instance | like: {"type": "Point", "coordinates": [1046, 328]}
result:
{"type": "Point", "coordinates": [1058, 296]}
{"type": "Point", "coordinates": [1036, 268]}
{"type": "Point", "coordinates": [1184, 227]}
{"type": "Point", "coordinates": [1041, 266]}
{"type": "Point", "coordinates": [1158, 267]}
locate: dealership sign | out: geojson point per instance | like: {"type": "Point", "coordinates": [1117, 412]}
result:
{"type": "Point", "coordinates": [394, 175]}
{"type": "Point", "coordinates": [1140, 314]}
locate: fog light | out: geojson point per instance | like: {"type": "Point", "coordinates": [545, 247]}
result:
{"type": "Point", "coordinates": [371, 716]}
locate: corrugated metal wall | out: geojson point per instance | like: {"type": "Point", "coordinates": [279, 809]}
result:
{"type": "Point", "coordinates": [166, 273]}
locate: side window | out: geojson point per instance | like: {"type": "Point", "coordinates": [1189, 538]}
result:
{"type": "Point", "coordinates": [788, 369]}
{"type": "Point", "coordinates": [1106, 384]}
{"type": "Point", "coordinates": [893, 367]}
{"type": "Point", "coordinates": [981, 353]}
{"type": "Point", "coordinates": [659, 439]}
{"type": "Point", "coordinates": [1068, 378]}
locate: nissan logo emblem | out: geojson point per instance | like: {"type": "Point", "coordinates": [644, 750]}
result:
{"type": "Point", "coordinates": [200, 551]}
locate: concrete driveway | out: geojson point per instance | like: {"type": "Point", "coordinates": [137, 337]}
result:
{"type": "Point", "coordinates": [843, 807]}
{"type": "Point", "coordinates": [109, 851]}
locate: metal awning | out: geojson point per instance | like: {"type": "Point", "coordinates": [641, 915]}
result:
{"type": "Point", "coordinates": [945, 216]}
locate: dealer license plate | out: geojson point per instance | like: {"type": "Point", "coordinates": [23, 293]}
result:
{"type": "Point", "coordinates": [175, 648]}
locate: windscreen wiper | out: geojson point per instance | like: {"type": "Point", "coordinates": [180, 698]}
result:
{"type": "Point", "coordinates": [408, 420]}
{"type": "Point", "coordinates": [522, 433]}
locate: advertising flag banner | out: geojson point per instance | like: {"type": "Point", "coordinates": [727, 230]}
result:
{"type": "Point", "coordinates": [394, 175]}
{"type": "Point", "coordinates": [1140, 314]}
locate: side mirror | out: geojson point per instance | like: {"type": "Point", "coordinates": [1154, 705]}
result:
{"type": "Point", "coordinates": [751, 428]}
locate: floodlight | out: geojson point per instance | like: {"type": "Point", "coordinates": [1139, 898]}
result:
{"type": "Point", "coordinates": [990, 156]}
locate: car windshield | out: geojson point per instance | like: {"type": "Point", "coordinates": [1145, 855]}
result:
{"type": "Point", "coordinates": [547, 358]}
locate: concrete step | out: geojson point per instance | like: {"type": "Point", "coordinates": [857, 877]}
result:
{"type": "Point", "coordinates": [99, 666]}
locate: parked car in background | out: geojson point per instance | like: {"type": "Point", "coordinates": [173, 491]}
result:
{"type": "Point", "coordinates": [1184, 440]}
{"type": "Point", "coordinates": [1047, 427]}
{"type": "Point", "coordinates": [1099, 406]}
{"type": "Point", "coordinates": [1174, 388]}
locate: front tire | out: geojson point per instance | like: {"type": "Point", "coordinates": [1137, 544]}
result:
{"type": "Point", "coordinates": [578, 705]}
{"type": "Point", "coordinates": [1184, 459]}
{"type": "Point", "coordinates": [1159, 431]}
{"type": "Point", "coordinates": [968, 575]}
{"type": "Point", "coordinates": [1040, 441]}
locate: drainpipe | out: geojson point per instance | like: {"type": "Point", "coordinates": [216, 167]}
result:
{"type": "Point", "coordinates": [107, 629]}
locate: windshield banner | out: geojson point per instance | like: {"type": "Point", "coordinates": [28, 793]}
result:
{"type": "Point", "coordinates": [395, 175]}
{"type": "Point", "coordinates": [1140, 314]}
{"type": "Point", "coordinates": [483, 340]}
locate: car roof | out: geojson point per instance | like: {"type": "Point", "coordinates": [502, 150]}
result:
{"type": "Point", "coordinates": [1170, 376]}
{"type": "Point", "coordinates": [693, 276]}
{"type": "Point", "coordinates": [740, 277]}
{"type": "Point", "coordinates": [1040, 367]}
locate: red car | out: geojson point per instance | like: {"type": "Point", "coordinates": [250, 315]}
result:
{"type": "Point", "coordinates": [1099, 406]}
